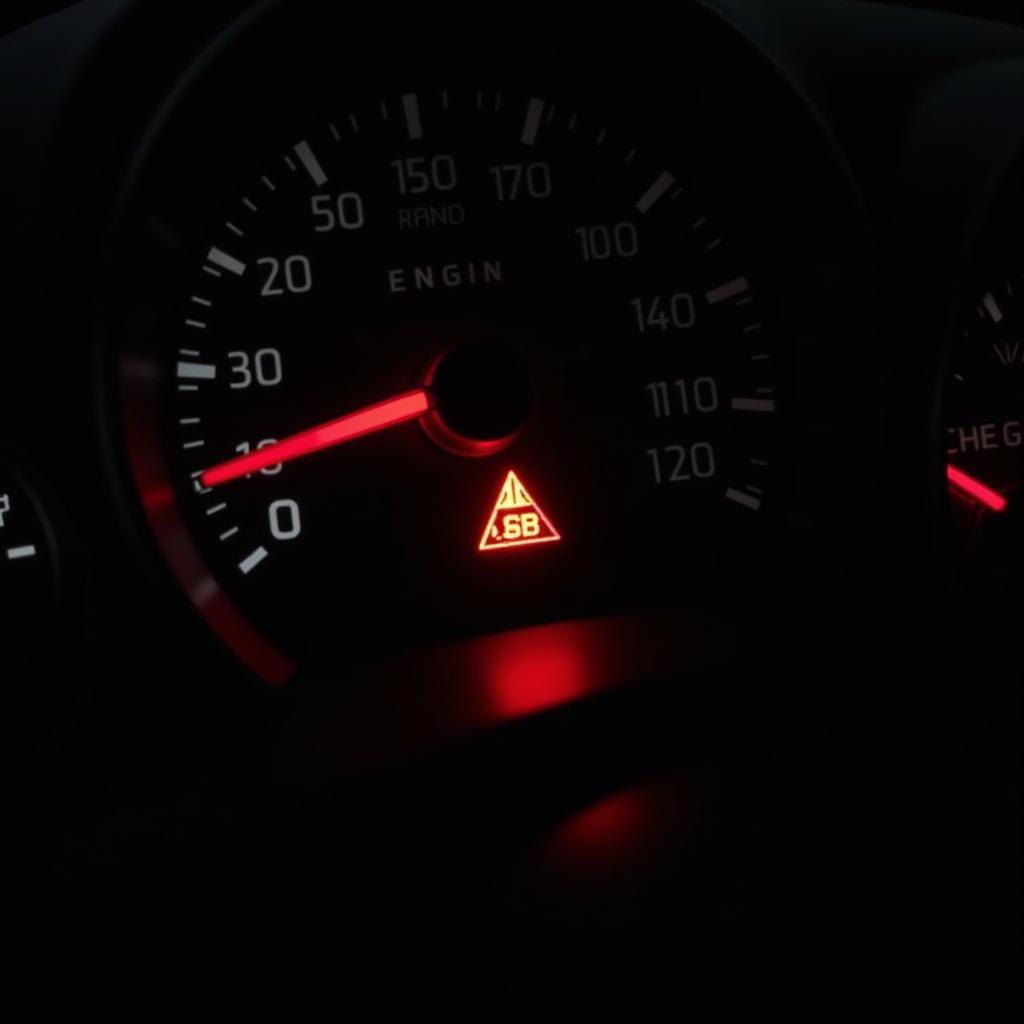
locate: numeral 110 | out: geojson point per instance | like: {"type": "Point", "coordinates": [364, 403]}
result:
{"type": "Point", "coordinates": [699, 395]}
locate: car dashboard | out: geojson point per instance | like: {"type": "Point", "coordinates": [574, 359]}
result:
{"type": "Point", "coordinates": [512, 510]}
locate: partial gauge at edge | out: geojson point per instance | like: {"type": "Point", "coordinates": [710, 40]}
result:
{"type": "Point", "coordinates": [29, 590]}
{"type": "Point", "coordinates": [453, 362]}
{"type": "Point", "coordinates": [984, 405]}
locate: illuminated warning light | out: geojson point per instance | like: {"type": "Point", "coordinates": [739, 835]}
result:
{"type": "Point", "coordinates": [516, 520]}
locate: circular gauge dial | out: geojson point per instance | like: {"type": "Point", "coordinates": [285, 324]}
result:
{"type": "Point", "coordinates": [451, 363]}
{"type": "Point", "coordinates": [985, 417]}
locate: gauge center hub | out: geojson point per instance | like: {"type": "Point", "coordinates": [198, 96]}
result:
{"type": "Point", "coordinates": [483, 396]}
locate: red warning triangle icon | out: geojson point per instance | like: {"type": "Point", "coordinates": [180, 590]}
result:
{"type": "Point", "coordinates": [517, 519]}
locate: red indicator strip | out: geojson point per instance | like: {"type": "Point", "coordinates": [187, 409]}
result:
{"type": "Point", "coordinates": [975, 489]}
{"type": "Point", "coordinates": [389, 413]}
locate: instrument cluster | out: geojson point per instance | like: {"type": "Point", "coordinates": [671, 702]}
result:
{"type": "Point", "coordinates": [385, 391]}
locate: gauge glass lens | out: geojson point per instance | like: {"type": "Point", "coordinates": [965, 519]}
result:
{"type": "Point", "coordinates": [450, 363]}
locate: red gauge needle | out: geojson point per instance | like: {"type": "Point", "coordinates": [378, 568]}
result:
{"type": "Point", "coordinates": [389, 413]}
{"type": "Point", "coordinates": [975, 489]}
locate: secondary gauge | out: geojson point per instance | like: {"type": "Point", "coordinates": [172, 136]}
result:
{"type": "Point", "coordinates": [985, 419]}
{"type": "Point", "coordinates": [41, 655]}
{"type": "Point", "coordinates": [449, 362]}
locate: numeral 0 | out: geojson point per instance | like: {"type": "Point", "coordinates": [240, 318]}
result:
{"type": "Point", "coordinates": [285, 521]}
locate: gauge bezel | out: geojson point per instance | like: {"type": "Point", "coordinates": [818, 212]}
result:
{"type": "Point", "coordinates": [954, 225]}
{"type": "Point", "coordinates": [766, 191]}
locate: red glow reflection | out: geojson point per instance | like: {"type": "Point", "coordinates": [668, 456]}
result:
{"type": "Point", "coordinates": [451, 441]}
{"type": "Point", "coordinates": [607, 825]}
{"type": "Point", "coordinates": [427, 697]}
{"type": "Point", "coordinates": [637, 827]}
{"type": "Point", "coordinates": [157, 498]}
{"type": "Point", "coordinates": [626, 835]}
{"type": "Point", "coordinates": [532, 672]}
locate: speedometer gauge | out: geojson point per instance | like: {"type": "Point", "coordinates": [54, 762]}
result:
{"type": "Point", "coordinates": [449, 362]}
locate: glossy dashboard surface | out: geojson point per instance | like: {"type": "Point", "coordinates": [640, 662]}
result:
{"type": "Point", "coordinates": [469, 493]}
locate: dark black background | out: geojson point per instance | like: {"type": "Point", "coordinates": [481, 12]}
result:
{"type": "Point", "coordinates": [840, 829]}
